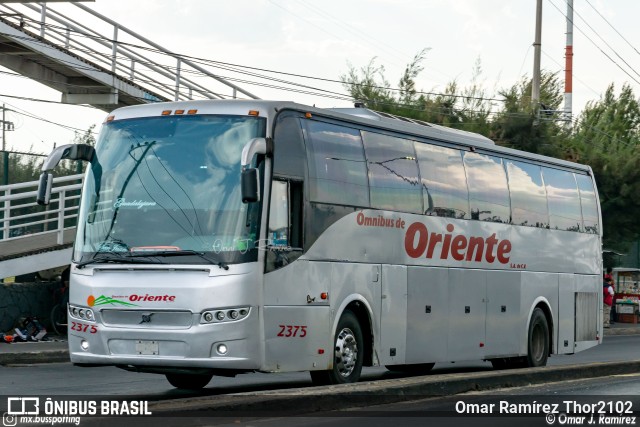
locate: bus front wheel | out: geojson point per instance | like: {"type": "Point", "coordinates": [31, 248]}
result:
{"type": "Point", "coordinates": [189, 381]}
{"type": "Point", "coordinates": [348, 353]}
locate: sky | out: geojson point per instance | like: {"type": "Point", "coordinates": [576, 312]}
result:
{"type": "Point", "coordinates": [323, 38]}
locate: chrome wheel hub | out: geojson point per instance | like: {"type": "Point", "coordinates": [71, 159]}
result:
{"type": "Point", "coordinates": [346, 352]}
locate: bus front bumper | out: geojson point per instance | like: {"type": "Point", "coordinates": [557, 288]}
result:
{"type": "Point", "coordinates": [212, 346]}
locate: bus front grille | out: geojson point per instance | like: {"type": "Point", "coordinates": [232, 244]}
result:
{"type": "Point", "coordinates": [147, 319]}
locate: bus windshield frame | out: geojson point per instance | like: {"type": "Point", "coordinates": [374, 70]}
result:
{"type": "Point", "coordinates": [166, 186]}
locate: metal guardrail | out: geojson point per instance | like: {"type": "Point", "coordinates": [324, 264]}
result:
{"type": "Point", "coordinates": [23, 217]}
{"type": "Point", "coordinates": [120, 51]}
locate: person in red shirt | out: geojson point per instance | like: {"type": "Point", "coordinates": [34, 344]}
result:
{"type": "Point", "coordinates": [607, 291]}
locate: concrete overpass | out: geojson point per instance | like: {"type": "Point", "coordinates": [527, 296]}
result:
{"type": "Point", "coordinates": [92, 59]}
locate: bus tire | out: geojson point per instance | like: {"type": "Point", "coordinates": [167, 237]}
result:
{"type": "Point", "coordinates": [348, 353]}
{"type": "Point", "coordinates": [537, 340]}
{"type": "Point", "coordinates": [417, 368]}
{"type": "Point", "coordinates": [189, 381]}
{"type": "Point", "coordinates": [59, 319]}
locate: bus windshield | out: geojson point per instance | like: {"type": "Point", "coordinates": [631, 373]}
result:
{"type": "Point", "coordinates": [169, 185]}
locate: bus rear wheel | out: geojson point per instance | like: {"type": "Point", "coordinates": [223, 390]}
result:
{"type": "Point", "coordinates": [348, 353]}
{"type": "Point", "coordinates": [537, 346]}
{"type": "Point", "coordinates": [538, 339]}
{"type": "Point", "coordinates": [189, 381]}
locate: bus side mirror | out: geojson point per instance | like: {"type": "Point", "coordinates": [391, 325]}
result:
{"type": "Point", "coordinates": [44, 188]}
{"type": "Point", "coordinates": [249, 185]}
{"type": "Point", "coordinates": [70, 151]}
{"type": "Point", "coordinates": [249, 179]}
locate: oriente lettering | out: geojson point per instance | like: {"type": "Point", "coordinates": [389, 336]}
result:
{"type": "Point", "coordinates": [147, 297]}
{"type": "Point", "coordinates": [418, 242]}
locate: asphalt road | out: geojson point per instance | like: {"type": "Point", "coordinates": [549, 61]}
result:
{"type": "Point", "coordinates": [65, 379]}
{"type": "Point", "coordinates": [613, 400]}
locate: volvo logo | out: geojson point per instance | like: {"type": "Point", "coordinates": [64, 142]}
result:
{"type": "Point", "coordinates": [146, 318]}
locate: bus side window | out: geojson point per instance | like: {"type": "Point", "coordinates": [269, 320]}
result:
{"type": "Point", "coordinates": [564, 200]}
{"type": "Point", "coordinates": [528, 195]}
{"type": "Point", "coordinates": [488, 189]}
{"type": "Point", "coordinates": [394, 182]}
{"type": "Point", "coordinates": [589, 204]}
{"type": "Point", "coordinates": [284, 235]}
{"type": "Point", "coordinates": [444, 183]}
{"type": "Point", "coordinates": [278, 232]}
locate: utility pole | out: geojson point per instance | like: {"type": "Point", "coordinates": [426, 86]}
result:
{"type": "Point", "coordinates": [568, 71]}
{"type": "Point", "coordinates": [6, 126]}
{"type": "Point", "coordinates": [535, 83]}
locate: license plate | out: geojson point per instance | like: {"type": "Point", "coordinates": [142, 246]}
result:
{"type": "Point", "coordinates": [147, 347]}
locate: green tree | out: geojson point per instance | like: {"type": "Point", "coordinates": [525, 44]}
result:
{"type": "Point", "coordinates": [535, 129]}
{"type": "Point", "coordinates": [607, 137]}
{"type": "Point", "coordinates": [468, 109]}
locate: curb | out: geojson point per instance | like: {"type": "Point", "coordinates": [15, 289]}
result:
{"type": "Point", "coordinates": [337, 397]}
{"type": "Point", "coordinates": [621, 331]}
{"type": "Point", "coordinates": [31, 357]}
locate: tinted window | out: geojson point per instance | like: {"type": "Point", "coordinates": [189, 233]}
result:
{"type": "Point", "coordinates": [589, 204]}
{"type": "Point", "coordinates": [288, 148]}
{"type": "Point", "coordinates": [337, 169]}
{"type": "Point", "coordinates": [278, 232]}
{"type": "Point", "coordinates": [528, 196]}
{"type": "Point", "coordinates": [488, 190]}
{"type": "Point", "coordinates": [564, 202]}
{"type": "Point", "coordinates": [394, 183]}
{"type": "Point", "coordinates": [444, 182]}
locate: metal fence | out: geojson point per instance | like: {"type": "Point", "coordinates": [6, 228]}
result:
{"type": "Point", "coordinates": [22, 216]}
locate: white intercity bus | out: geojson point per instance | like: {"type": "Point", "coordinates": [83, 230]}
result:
{"type": "Point", "coordinates": [224, 237]}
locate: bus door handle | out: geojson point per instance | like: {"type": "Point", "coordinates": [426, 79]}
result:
{"type": "Point", "coordinates": [375, 274]}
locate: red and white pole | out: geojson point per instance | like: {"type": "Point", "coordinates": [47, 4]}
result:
{"type": "Point", "coordinates": [568, 71]}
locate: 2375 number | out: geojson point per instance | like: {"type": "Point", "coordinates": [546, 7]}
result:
{"type": "Point", "coordinates": [290, 331]}
{"type": "Point", "coordinates": [81, 327]}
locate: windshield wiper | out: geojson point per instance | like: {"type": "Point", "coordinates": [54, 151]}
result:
{"type": "Point", "coordinates": [115, 258]}
{"type": "Point", "coordinates": [183, 252]}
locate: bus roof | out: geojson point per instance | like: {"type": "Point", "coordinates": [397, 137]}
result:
{"type": "Point", "coordinates": [363, 116]}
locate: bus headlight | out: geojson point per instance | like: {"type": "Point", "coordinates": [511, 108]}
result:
{"type": "Point", "coordinates": [81, 313]}
{"type": "Point", "coordinates": [220, 315]}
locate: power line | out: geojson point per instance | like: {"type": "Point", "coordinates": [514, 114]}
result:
{"type": "Point", "coordinates": [592, 42]}
{"type": "Point", "coordinates": [614, 28]}
{"type": "Point", "coordinates": [234, 68]}
{"type": "Point", "coordinates": [605, 42]}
